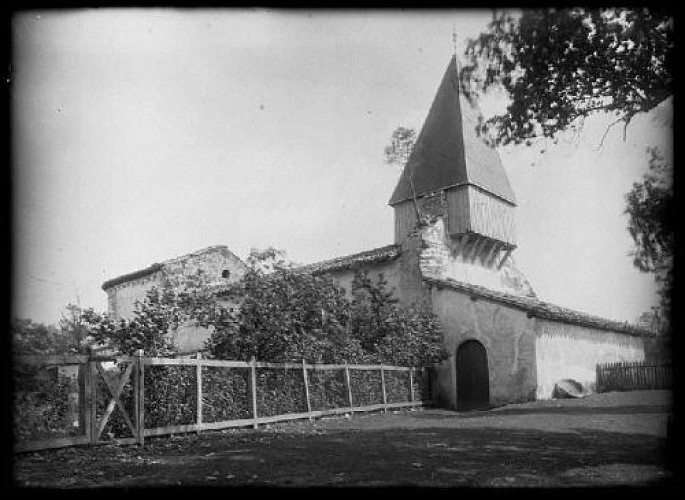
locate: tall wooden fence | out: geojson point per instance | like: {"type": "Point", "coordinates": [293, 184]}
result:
{"type": "Point", "coordinates": [633, 376]}
{"type": "Point", "coordinates": [115, 401]}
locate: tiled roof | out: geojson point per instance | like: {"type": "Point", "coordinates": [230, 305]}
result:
{"type": "Point", "coordinates": [157, 266]}
{"type": "Point", "coordinates": [131, 276]}
{"type": "Point", "coordinates": [545, 310]}
{"type": "Point", "coordinates": [448, 152]}
{"type": "Point", "coordinates": [388, 252]}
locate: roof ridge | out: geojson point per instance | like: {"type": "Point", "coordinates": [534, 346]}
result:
{"type": "Point", "coordinates": [152, 268]}
{"type": "Point", "coordinates": [385, 252]}
{"type": "Point", "coordinates": [196, 252]}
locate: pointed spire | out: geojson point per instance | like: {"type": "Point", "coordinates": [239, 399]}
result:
{"type": "Point", "coordinates": [448, 151]}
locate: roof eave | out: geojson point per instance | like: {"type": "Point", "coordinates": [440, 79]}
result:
{"type": "Point", "coordinates": [540, 309]}
{"type": "Point", "coordinates": [511, 202]}
{"type": "Point", "coordinates": [132, 276]}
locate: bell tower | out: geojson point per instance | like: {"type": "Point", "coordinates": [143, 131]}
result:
{"type": "Point", "coordinates": [456, 175]}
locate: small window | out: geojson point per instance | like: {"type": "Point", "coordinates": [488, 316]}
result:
{"type": "Point", "coordinates": [225, 273]}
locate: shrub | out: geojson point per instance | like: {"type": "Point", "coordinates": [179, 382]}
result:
{"type": "Point", "coordinates": [44, 408]}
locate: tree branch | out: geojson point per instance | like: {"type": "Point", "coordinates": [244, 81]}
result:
{"type": "Point", "coordinates": [606, 132]}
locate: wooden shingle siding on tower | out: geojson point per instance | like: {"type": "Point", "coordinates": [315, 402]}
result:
{"type": "Point", "coordinates": [470, 209]}
{"type": "Point", "coordinates": [491, 217]}
{"type": "Point", "coordinates": [405, 220]}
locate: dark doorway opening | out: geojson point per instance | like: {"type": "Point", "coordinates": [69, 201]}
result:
{"type": "Point", "coordinates": [473, 381]}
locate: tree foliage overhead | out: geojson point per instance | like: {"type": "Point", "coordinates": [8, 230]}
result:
{"type": "Point", "coordinates": [561, 65]}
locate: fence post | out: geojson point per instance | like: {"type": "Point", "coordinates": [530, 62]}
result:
{"type": "Point", "coordinates": [93, 398]}
{"type": "Point", "coordinates": [198, 393]}
{"type": "Point", "coordinates": [306, 389]}
{"type": "Point", "coordinates": [411, 385]}
{"type": "Point", "coordinates": [83, 421]}
{"type": "Point", "coordinates": [385, 400]}
{"type": "Point", "coordinates": [349, 388]}
{"type": "Point", "coordinates": [253, 387]}
{"type": "Point", "coordinates": [139, 396]}
{"type": "Point", "coordinates": [598, 378]}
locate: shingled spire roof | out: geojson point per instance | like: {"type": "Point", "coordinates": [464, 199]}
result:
{"type": "Point", "coordinates": [448, 151]}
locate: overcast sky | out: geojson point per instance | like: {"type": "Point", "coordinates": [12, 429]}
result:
{"type": "Point", "coordinates": [142, 135]}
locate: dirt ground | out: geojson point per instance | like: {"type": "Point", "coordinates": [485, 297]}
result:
{"type": "Point", "coordinates": [612, 439]}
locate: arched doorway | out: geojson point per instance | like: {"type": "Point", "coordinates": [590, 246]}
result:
{"type": "Point", "coordinates": [473, 382]}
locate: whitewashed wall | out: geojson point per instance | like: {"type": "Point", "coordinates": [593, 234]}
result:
{"type": "Point", "coordinates": [566, 351]}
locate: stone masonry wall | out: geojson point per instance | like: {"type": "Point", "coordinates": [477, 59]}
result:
{"type": "Point", "coordinates": [389, 270]}
{"type": "Point", "coordinates": [441, 259]}
{"type": "Point", "coordinates": [121, 298]}
{"type": "Point", "coordinates": [402, 274]}
{"type": "Point", "coordinates": [207, 265]}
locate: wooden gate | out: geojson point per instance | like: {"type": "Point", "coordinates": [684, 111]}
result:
{"type": "Point", "coordinates": [114, 389]}
{"type": "Point", "coordinates": [473, 381]}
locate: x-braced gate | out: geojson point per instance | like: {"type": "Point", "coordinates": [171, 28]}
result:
{"type": "Point", "coordinates": [91, 373]}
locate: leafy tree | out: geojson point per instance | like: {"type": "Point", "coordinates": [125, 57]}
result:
{"type": "Point", "coordinates": [290, 315]}
{"type": "Point", "coordinates": [148, 329]}
{"type": "Point", "coordinates": [267, 260]}
{"type": "Point", "coordinates": [650, 210]}
{"type": "Point", "coordinates": [413, 338]}
{"type": "Point", "coordinates": [561, 65]}
{"type": "Point", "coordinates": [29, 337]}
{"type": "Point", "coordinates": [371, 307]}
{"type": "Point", "coordinates": [392, 333]}
{"type": "Point", "coordinates": [69, 337]}
{"type": "Point", "coordinates": [397, 154]}
{"type": "Point", "coordinates": [163, 311]}
{"type": "Point", "coordinates": [75, 330]}
{"type": "Point", "coordinates": [285, 315]}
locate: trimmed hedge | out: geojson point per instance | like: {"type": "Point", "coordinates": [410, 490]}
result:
{"type": "Point", "coordinates": [280, 391]}
{"type": "Point", "coordinates": [170, 396]}
{"type": "Point", "coordinates": [366, 387]}
{"type": "Point", "coordinates": [44, 408]}
{"type": "Point", "coordinates": [225, 394]}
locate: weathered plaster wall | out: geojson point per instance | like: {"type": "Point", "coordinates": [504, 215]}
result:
{"type": "Point", "coordinates": [191, 338]}
{"type": "Point", "coordinates": [207, 265]}
{"type": "Point", "coordinates": [402, 274]}
{"type": "Point", "coordinates": [442, 258]}
{"type": "Point", "coordinates": [389, 270]}
{"type": "Point", "coordinates": [507, 335]}
{"type": "Point", "coordinates": [571, 351]}
{"type": "Point", "coordinates": [121, 298]}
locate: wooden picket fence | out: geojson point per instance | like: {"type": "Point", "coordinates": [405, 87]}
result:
{"type": "Point", "coordinates": [90, 369]}
{"type": "Point", "coordinates": [633, 376]}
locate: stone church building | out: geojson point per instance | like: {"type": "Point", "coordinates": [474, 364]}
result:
{"type": "Point", "coordinates": [505, 344]}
